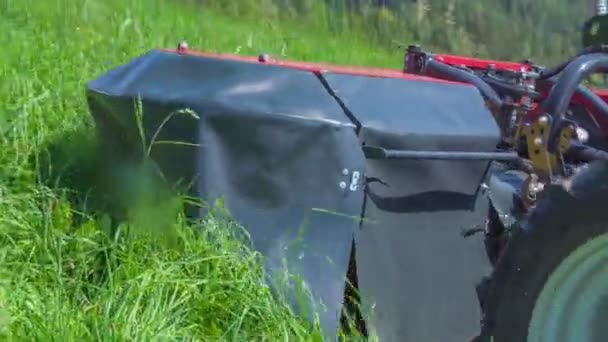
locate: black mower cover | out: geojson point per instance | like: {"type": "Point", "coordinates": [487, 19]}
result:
{"type": "Point", "coordinates": [284, 148]}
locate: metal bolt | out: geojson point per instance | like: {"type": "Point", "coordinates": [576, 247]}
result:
{"type": "Point", "coordinates": [538, 187]}
{"type": "Point", "coordinates": [345, 172]}
{"type": "Point", "coordinates": [342, 185]}
{"type": "Point", "coordinates": [264, 58]}
{"type": "Point", "coordinates": [538, 141]}
{"type": "Point", "coordinates": [484, 187]}
{"type": "Point", "coordinates": [182, 47]}
{"type": "Point", "coordinates": [543, 120]}
{"type": "Point", "coordinates": [582, 135]}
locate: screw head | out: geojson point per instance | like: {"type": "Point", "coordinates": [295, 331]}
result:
{"type": "Point", "coordinates": [582, 134]}
{"type": "Point", "coordinates": [182, 46]}
{"type": "Point", "coordinates": [342, 185]}
{"type": "Point", "coordinates": [345, 172]}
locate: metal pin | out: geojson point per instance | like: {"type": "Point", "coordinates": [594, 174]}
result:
{"type": "Point", "coordinates": [543, 120]}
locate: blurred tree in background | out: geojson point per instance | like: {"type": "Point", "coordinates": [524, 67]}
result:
{"type": "Point", "coordinates": [546, 31]}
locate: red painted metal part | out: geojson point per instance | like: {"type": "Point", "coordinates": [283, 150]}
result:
{"type": "Point", "coordinates": [481, 64]}
{"type": "Point", "coordinates": [601, 121]}
{"type": "Point", "coordinates": [476, 63]}
{"type": "Point", "coordinates": [469, 62]}
{"type": "Point", "coordinates": [473, 63]}
{"type": "Point", "coordinates": [318, 68]}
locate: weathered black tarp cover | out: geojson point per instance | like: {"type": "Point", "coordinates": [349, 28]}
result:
{"type": "Point", "coordinates": [411, 258]}
{"type": "Point", "coordinates": [276, 143]}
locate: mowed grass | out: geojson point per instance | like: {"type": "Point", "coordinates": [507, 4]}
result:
{"type": "Point", "coordinates": [67, 273]}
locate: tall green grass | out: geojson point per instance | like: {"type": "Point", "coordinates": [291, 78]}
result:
{"type": "Point", "coordinates": [68, 272]}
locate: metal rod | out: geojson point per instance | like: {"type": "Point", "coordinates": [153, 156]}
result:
{"type": "Point", "coordinates": [380, 153]}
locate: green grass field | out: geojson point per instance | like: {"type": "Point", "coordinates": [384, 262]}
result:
{"type": "Point", "coordinates": [63, 277]}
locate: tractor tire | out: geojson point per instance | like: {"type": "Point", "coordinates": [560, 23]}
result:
{"type": "Point", "coordinates": [539, 291]}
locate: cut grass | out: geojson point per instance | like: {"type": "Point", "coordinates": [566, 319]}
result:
{"type": "Point", "coordinates": [66, 273]}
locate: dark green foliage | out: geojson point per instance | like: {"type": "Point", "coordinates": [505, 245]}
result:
{"type": "Point", "coordinates": [546, 31]}
{"type": "Point", "coordinates": [595, 31]}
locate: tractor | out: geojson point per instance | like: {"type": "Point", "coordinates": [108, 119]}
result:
{"type": "Point", "coordinates": [457, 199]}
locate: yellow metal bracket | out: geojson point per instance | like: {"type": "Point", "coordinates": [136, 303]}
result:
{"type": "Point", "coordinates": [536, 135]}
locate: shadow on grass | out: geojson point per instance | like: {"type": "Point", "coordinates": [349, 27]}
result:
{"type": "Point", "coordinates": [100, 182]}
{"type": "Point", "coordinates": [110, 189]}
{"type": "Point", "coordinates": [71, 163]}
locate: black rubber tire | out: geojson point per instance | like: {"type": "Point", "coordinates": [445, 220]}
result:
{"type": "Point", "coordinates": [557, 227]}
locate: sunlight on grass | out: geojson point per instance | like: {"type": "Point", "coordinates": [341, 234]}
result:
{"type": "Point", "coordinates": [67, 271]}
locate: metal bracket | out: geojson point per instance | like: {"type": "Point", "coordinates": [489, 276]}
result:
{"type": "Point", "coordinates": [537, 135]}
